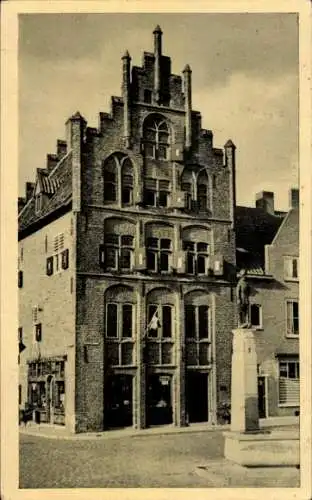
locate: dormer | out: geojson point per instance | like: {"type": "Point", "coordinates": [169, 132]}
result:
{"type": "Point", "coordinates": [45, 187]}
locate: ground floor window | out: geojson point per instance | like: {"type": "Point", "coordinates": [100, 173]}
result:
{"type": "Point", "coordinates": [289, 382]}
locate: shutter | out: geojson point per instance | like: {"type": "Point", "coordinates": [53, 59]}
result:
{"type": "Point", "coordinates": [65, 259]}
{"type": "Point", "coordinates": [49, 266]}
{"type": "Point", "coordinates": [141, 259]}
{"type": "Point", "coordinates": [289, 391]}
{"type": "Point", "coordinates": [180, 262]}
{"type": "Point", "coordinates": [217, 265]}
{"type": "Point", "coordinates": [102, 255]}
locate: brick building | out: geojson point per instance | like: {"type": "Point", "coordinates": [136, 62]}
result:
{"type": "Point", "coordinates": [127, 263]}
{"type": "Point", "coordinates": [268, 248]}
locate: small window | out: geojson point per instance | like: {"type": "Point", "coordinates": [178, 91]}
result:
{"type": "Point", "coordinates": [148, 96]}
{"type": "Point", "coordinates": [65, 259]}
{"type": "Point", "coordinates": [49, 266]}
{"type": "Point", "coordinates": [38, 332]}
{"type": "Point", "coordinates": [20, 279]}
{"type": "Point", "coordinates": [291, 268]}
{"type": "Point", "coordinates": [256, 315]}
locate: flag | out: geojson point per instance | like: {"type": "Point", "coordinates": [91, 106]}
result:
{"type": "Point", "coordinates": [154, 324]}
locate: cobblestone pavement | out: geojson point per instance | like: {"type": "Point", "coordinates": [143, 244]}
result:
{"type": "Point", "coordinates": [160, 461]}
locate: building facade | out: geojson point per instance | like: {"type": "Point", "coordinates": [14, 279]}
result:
{"type": "Point", "coordinates": [268, 247]}
{"type": "Point", "coordinates": [127, 263]}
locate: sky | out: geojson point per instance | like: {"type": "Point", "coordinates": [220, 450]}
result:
{"type": "Point", "coordinates": [244, 80]}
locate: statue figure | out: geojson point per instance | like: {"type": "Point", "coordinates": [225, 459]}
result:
{"type": "Point", "coordinates": [242, 295]}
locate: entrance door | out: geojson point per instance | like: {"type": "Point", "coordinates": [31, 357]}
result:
{"type": "Point", "coordinates": [261, 397]}
{"type": "Point", "coordinates": [197, 396]}
{"type": "Point", "coordinates": [159, 400]}
{"type": "Point", "coordinates": [118, 401]}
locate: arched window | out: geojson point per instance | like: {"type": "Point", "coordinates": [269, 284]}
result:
{"type": "Point", "coordinates": [110, 180]}
{"type": "Point", "coordinates": [127, 182]}
{"type": "Point", "coordinates": [156, 138]}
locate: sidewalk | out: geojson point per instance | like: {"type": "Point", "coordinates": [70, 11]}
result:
{"type": "Point", "coordinates": [60, 432]}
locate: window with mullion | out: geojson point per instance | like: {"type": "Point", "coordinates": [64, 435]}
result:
{"type": "Point", "coordinates": [119, 332]}
{"type": "Point", "coordinates": [197, 322]}
{"type": "Point", "coordinates": [164, 330]}
{"type": "Point", "coordinates": [196, 257]}
{"type": "Point", "coordinates": [158, 254]}
{"type": "Point", "coordinates": [118, 251]}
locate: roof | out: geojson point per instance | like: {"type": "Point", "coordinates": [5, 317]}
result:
{"type": "Point", "coordinates": [255, 228]}
{"type": "Point", "coordinates": [57, 185]}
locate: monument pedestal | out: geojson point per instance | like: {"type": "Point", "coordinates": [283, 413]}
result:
{"type": "Point", "coordinates": [244, 390]}
{"type": "Point", "coordinates": [246, 444]}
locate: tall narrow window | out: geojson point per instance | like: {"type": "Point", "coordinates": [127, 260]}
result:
{"type": "Point", "coordinates": [110, 180]}
{"type": "Point", "coordinates": [197, 334]}
{"type": "Point", "coordinates": [127, 182]}
{"type": "Point", "coordinates": [111, 320]}
{"type": "Point", "coordinates": [291, 268]}
{"type": "Point", "coordinates": [292, 318]}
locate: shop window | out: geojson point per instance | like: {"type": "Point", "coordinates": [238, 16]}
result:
{"type": "Point", "coordinates": [158, 254]}
{"type": "Point", "coordinates": [291, 268]}
{"type": "Point", "coordinates": [292, 318]}
{"type": "Point", "coordinates": [289, 382]}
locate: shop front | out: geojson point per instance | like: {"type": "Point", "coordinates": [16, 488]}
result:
{"type": "Point", "coordinates": [46, 390]}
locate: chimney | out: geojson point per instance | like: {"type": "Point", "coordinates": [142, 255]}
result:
{"type": "Point", "coordinates": [265, 200]}
{"type": "Point", "coordinates": [52, 161]}
{"type": "Point", "coordinates": [76, 127]}
{"type": "Point", "coordinates": [126, 61]}
{"type": "Point", "coordinates": [187, 73]}
{"type": "Point", "coordinates": [30, 186]}
{"type": "Point", "coordinates": [229, 149]}
{"type": "Point", "coordinates": [157, 53]}
{"type": "Point", "coordinates": [61, 148]}
{"type": "Point", "coordinates": [294, 198]}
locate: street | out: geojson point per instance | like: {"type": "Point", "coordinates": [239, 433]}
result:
{"type": "Point", "coordinates": [148, 461]}
{"type": "Point", "coordinates": [153, 461]}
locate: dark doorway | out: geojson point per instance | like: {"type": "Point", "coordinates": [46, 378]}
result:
{"type": "Point", "coordinates": [197, 396]}
{"type": "Point", "coordinates": [118, 401]}
{"type": "Point", "coordinates": [261, 397]}
{"type": "Point", "coordinates": [159, 400]}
